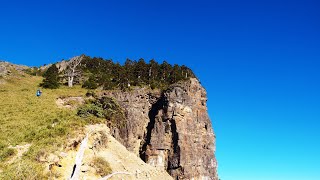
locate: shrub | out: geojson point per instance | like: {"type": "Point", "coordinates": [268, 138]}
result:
{"type": "Point", "coordinates": [104, 107]}
{"type": "Point", "coordinates": [90, 83]}
{"type": "Point", "coordinates": [101, 165]}
{"type": "Point", "coordinates": [90, 109]}
{"type": "Point", "coordinates": [91, 93]}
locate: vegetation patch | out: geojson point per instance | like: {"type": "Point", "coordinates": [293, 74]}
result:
{"type": "Point", "coordinates": [105, 108]}
{"type": "Point", "coordinates": [6, 153]}
{"type": "Point", "coordinates": [25, 169]}
{"type": "Point", "coordinates": [101, 165]}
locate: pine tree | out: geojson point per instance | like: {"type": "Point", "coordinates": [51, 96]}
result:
{"type": "Point", "coordinates": [129, 71]}
{"type": "Point", "coordinates": [176, 74]}
{"type": "Point", "coordinates": [153, 70]}
{"type": "Point", "coordinates": [165, 70]}
{"type": "Point", "coordinates": [141, 72]}
{"type": "Point", "coordinates": [51, 78]}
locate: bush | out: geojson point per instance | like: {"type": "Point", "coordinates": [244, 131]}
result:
{"type": "Point", "coordinates": [90, 83]}
{"type": "Point", "coordinates": [91, 93]}
{"type": "Point", "coordinates": [104, 107]}
{"type": "Point", "coordinates": [90, 109]}
{"type": "Point", "coordinates": [101, 165]}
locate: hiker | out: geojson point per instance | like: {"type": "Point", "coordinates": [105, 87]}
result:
{"type": "Point", "coordinates": [39, 92]}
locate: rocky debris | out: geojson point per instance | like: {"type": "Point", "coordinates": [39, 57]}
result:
{"type": "Point", "coordinates": [21, 149]}
{"type": "Point", "coordinates": [70, 102]}
{"type": "Point", "coordinates": [169, 130]}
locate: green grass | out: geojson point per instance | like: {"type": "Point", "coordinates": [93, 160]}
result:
{"type": "Point", "coordinates": [26, 118]}
{"type": "Point", "coordinates": [7, 153]}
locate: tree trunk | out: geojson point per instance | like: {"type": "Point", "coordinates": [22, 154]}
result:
{"type": "Point", "coordinates": [70, 81]}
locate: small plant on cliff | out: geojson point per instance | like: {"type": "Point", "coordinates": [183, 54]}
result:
{"type": "Point", "coordinates": [104, 107]}
{"type": "Point", "coordinates": [101, 165]}
{"type": "Point", "coordinates": [51, 76]}
{"type": "Point", "coordinates": [90, 109]}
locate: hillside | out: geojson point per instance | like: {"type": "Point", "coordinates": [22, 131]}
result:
{"type": "Point", "coordinates": [26, 119]}
{"type": "Point", "coordinates": [156, 130]}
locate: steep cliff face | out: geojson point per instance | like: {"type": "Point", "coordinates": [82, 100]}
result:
{"type": "Point", "coordinates": [170, 130]}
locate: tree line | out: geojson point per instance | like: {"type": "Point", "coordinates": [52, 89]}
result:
{"type": "Point", "coordinates": [97, 72]}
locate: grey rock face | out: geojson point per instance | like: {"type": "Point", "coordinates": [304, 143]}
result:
{"type": "Point", "coordinates": [6, 68]}
{"type": "Point", "coordinates": [62, 65]}
{"type": "Point", "coordinates": [170, 130]}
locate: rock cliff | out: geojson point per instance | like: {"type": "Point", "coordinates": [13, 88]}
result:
{"type": "Point", "coordinates": [170, 130]}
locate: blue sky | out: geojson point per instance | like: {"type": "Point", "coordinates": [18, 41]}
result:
{"type": "Point", "coordinates": [258, 60]}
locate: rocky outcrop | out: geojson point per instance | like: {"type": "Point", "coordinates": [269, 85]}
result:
{"type": "Point", "coordinates": [170, 130]}
{"type": "Point", "coordinates": [6, 68]}
{"type": "Point", "coordinates": [62, 65]}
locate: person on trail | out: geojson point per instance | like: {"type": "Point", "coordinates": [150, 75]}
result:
{"type": "Point", "coordinates": [39, 92]}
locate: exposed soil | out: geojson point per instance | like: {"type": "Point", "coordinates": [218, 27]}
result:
{"type": "Point", "coordinates": [69, 102]}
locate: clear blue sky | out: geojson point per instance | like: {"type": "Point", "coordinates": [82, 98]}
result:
{"type": "Point", "coordinates": [259, 61]}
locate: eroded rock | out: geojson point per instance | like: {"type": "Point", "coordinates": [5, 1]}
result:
{"type": "Point", "coordinates": [169, 130]}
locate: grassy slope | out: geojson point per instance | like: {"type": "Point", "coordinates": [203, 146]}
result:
{"type": "Point", "coordinates": [26, 118]}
